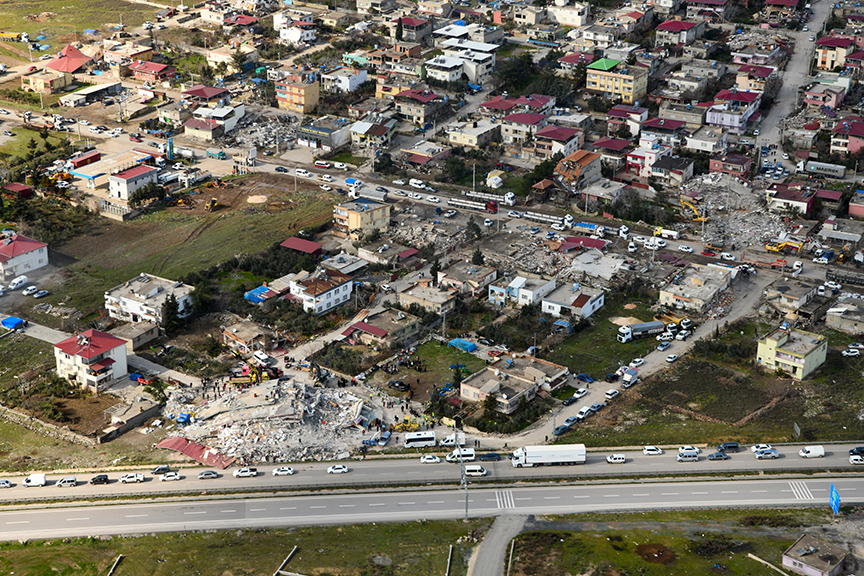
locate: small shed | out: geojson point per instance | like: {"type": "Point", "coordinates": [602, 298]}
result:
{"type": "Point", "coordinates": [12, 322]}
{"type": "Point", "coordinates": [301, 245]}
{"type": "Point", "coordinates": [463, 345]}
{"type": "Point", "coordinates": [813, 557]}
{"type": "Point", "coordinates": [17, 190]}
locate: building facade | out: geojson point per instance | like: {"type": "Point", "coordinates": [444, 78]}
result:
{"type": "Point", "coordinates": [92, 359]}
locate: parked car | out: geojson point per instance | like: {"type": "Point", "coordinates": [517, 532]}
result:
{"type": "Point", "coordinates": [728, 447]}
{"type": "Point", "coordinates": [132, 477]}
{"type": "Point", "coordinates": [727, 256]}
{"type": "Point", "coordinates": [652, 451]}
{"type": "Point", "coordinates": [767, 455]}
{"type": "Point", "coordinates": [30, 290]}
{"type": "Point", "coordinates": [671, 358]}
{"type": "Point", "coordinates": [337, 469]}
{"type": "Point", "coordinates": [160, 469]}
{"type": "Point", "coordinates": [570, 400]}
{"type": "Point", "coordinates": [487, 222]}
{"type": "Point", "coordinates": [859, 451]}
{"type": "Point", "coordinates": [5, 484]}
{"type": "Point", "coordinates": [685, 248]}
{"type": "Point", "coordinates": [245, 473]}
{"type": "Point", "coordinates": [99, 479]}
{"type": "Point", "coordinates": [663, 346]}
{"type": "Point", "coordinates": [562, 429]}
{"type": "Point", "coordinates": [596, 407]}
{"type": "Point", "coordinates": [283, 471]}
{"type": "Point", "coordinates": [718, 456]}
{"type": "Point", "coordinates": [637, 362]}
{"type": "Point", "coordinates": [611, 393]}
{"type": "Point", "coordinates": [612, 377]}
{"type": "Point", "coordinates": [616, 459]}
{"type": "Point", "coordinates": [583, 413]}
{"type": "Point", "coordinates": [399, 182]}
{"type": "Point", "coordinates": [429, 459]}
{"type": "Point", "coordinates": [490, 457]}
{"type": "Point", "coordinates": [580, 392]}
{"type": "Point", "coordinates": [584, 378]}
{"type": "Point", "coordinates": [41, 294]}
{"type": "Point", "coordinates": [758, 447]}
{"type": "Point", "coordinates": [688, 448]}
{"type": "Point", "coordinates": [208, 475]}
{"type": "Point", "coordinates": [170, 477]}
{"type": "Point", "coordinates": [707, 252]}
{"type": "Point", "coordinates": [852, 352]}
{"type": "Point", "coordinates": [281, 169]}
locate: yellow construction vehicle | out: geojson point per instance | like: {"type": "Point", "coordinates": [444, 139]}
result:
{"type": "Point", "coordinates": [696, 216]}
{"type": "Point", "coordinates": [211, 205]}
{"type": "Point", "coordinates": [784, 246]}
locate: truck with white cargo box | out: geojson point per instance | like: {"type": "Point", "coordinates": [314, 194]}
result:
{"type": "Point", "coordinates": [452, 440]}
{"type": "Point", "coordinates": [557, 455]}
{"type": "Point", "coordinates": [355, 193]}
{"type": "Point", "coordinates": [35, 480]}
{"type": "Point", "coordinates": [630, 377]}
{"type": "Point", "coordinates": [812, 452]}
{"type": "Point", "coordinates": [641, 330]}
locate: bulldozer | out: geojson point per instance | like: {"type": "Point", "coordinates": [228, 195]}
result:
{"type": "Point", "coordinates": [211, 205]}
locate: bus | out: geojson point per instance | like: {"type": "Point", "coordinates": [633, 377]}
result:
{"type": "Point", "coordinates": [420, 440]}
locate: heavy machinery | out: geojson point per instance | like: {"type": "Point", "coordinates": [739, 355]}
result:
{"type": "Point", "coordinates": [211, 205]}
{"type": "Point", "coordinates": [691, 206]}
{"type": "Point", "coordinates": [784, 246]}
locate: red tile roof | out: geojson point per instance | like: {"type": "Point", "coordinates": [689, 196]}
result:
{"type": "Point", "coordinates": [424, 96]}
{"type": "Point", "coordinates": [616, 144]}
{"type": "Point", "coordinates": [205, 92]}
{"type": "Point", "coordinates": [302, 245]}
{"type": "Point", "coordinates": [93, 343]}
{"type": "Point", "coordinates": [505, 104]}
{"type": "Point", "coordinates": [241, 20]}
{"type": "Point", "coordinates": [145, 66]}
{"type": "Point", "coordinates": [134, 172]}
{"type": "Point", "coordinates": [663, 124]}
{"type": "Point", "coordinates": [364, 327]}
{"type": "Point", "coordinates": [69, 60]}
{"type": "Point", "coordinates": [855, 56]}
{"type": "Point", "coordinates": [830, 42]}
{"type": "Point", "coordinates": [18, 245]}
{"type": "Point", "coordinates": [736, 96]}
{"type": "Point", "coordinates": [557, 133]}
{"type": "Point", "coordinates": [525, 118]}
{"type": "Point", "coordinates": [205, 455]}
{"type": "Point", "coordinates": [675, 26]}
{"type": "Point", "coordinates": [756, 71]}
{"type": "Point", "coordinates": [850, 129]}
{"type": "Point", "coordinates": [411, 21]}
{"type": "Point", "coordinates": [577, 57]}
{"type": "Point", "coordinates": [199, 124]}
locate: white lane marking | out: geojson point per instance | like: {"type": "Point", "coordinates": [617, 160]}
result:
{"type": "Point", "coordinates": [19, 522]}
{"type": "Point", "coordinates": [228, 511]}
{"type": "Point", "coordinates": [379, 504]}
{"type": "Point", "coordinates": [288, 508]}
{"type": "Point", "coordinates": [505, 499]}
{"type": "Point", "coordinates": [666, 494]}
{"type": "Point", "coordinates": [435, 502]}
{"type": "Point", "coordinates": [532, 498]}
{"type": "Point", "coordinates": [406, 503]}
{"type": "Point", "coordinates": [317, 507]}
{"type": "Point", "coordinates": [194, 513]}
{"type": "Point", "coordinates": [611, 496]}
{"type": "Point", "coordinates": [551, 497]}
{"type": "Point", "coordinates": [137, 515]}
{"type": "Point", "coordinates": [728, 491]}
{"type": "Point", "coordinates": [257, 509]}
{"type": "Point", "coordinates": [698, 492]}
{"type": "Point", "coordinates": [643, 494]}
{"type": "Point", "coordinates": [581, 496]}
{"type": "Point", "coordinates": [347, 505]}
{"type": "Point", "coordinates": [74, 519]}
{"type": "Point", "coordinates": [757, 491]}
{"type": "Point", "coordinates": [801, 491]}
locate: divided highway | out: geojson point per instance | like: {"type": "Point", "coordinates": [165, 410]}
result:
{"type": "Point", "coordinates": [356, 507]}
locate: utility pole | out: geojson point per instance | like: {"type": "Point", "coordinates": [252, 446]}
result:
{"type": "Point", "coordinates": [474, 177]}
{"type": "Point", "coordinates": [462, 467]}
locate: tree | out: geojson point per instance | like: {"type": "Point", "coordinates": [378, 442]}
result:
{"type": "Point", "coordinates": [239, 59]}
{"type": "Point", "coordinates": [170, 314]}
{"type": "Point", "coordinates": [477, 257]}
{"type": "Point", "coordinates": [433, 271]}
{"type": "Point", "coordinates": [31, 148]}
{"type": "Point", "coordinates": [473, 229]}
{"type": "Point", "coordinates": [399, 31]}
{"type": "Point", "coordinates": [157, 391]}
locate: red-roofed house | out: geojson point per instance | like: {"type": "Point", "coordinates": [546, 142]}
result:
{"type": "Point", "coordinates": [500, 105]}
{"type": "Point", "coordinates": [579, 169]}
{"type": "Point", "coordinates": [93, 359]}
{"type": "Point", "coordinates": [855, 61]}
{"type": "Point", "coordinates": [675, 32]}
{"type": "Point", "coordinates": [250, 23]}
{"type": "Point", "coordinates": [754, 78]}
{"type": "Point", "coordinates": [777, 10]}
{"type": "Point", "coordinates": [420, 106]}
{"type": "Point", "coordinates": [781, 198]}
{"type": "Point", "coordinates": [123, 184]}
{"type": "Point", "coordinates": [819, 95]}
{"type": "Point", "coordinates": [301, 245]}
{"type": "Point", "coordinates": [551, 140]}
{"type": "Point", "coordinates": [832, 52]}
{"type": "Point", "coordinates": [623, 115]}
{"type": "Point", "coordinates": [613, 151]}
{"type": "Point", "coordinates": [70, 60]}
{"type": "Point", "coordinates": [413, 29]}
{"type": "Point", "coordinates": [669, 132]}
{"type": "Point", "coordinates": [733, 110]}
{"type": "Point", "coordinates": [732, 164]}
{"type": "Point", "coordinates": [203, 94]}
{"type": "Point", "coordinates": [322, 290]}
{"type": "Point", "coordinates": [151, 71]}
{"type": "Point", "coordinates": [847, 138]}
{"type": "Point", "coordinates": [17, 190]}
{"type": "Point", "coordinates": [20, 255]}
{"type": "Point", "coordinates": [708, 10]}
{"type": "Point", "coordinates": [203, 128]}
{"type": "Point", "coordinates": [521, 126]}
{"type": "Point", "coordinates": [571, 62]}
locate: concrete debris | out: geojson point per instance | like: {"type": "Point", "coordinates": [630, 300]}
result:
{"type": "Point", "coordinates": [264, 132]}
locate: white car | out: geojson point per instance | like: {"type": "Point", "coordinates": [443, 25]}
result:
{"type": "Point", "coordinates": [727, 256]}
{"type": "Point", "coordinates": [833, 285]}
{"type": "Point", "coordinates": [415, 196]}
{"type": "Point", "coordinates": [487, 222]}
{"type": "Point", "coordinates": [665, 337]}
{"type": "Point", "coordinates": [325, 177]}
{"type": "Point", "coordinates": [283, 471]}
{"type": "Point", "coordinates": [851, 353]}
{"type": "Point", "coordinates": [136, 477]}
{"type": "Point", "coordinates": [820, 260]}
{"type": "Point", "coordinates": [30, 290]}
{"type": "Point", "coordinates": [580, 393]}
{"type": "Point", "coordinates": [84, 122]}
{"type": "Point", "coordinates": [558, 227]}
{"type": "Point", "coordinates": [637, 362]}
{"type": "Point", "coordinates": [4, 111]}
{"type": "Point", "coordinates": [429, 459]}
{"type": "Point", "coordinates": [660, 243]}
{"type": "Point", "coordinates": [639, 239]}
{"type": "Point", "coordinates": [339, 166]}
{"type": "Point", "coordinates": [652, 451]}
{"type": "Point", "coordinates": [682, 335]}
{"type": "Point", "coordinates": [326, 187]}
{"type": "Point", "coordinates": [758, 447]}
{"type": "Point", "coordinates": [611, 393]}
{"type": "Point", "coordinates": [433, 199]}
{"type": "Point", "coordinates": [631, 248]}
{"type": "Point", "coordinates": [856, 346]}
{"type": "Point", "coordinates": [399, 182]}
{"type": "Point", "coordinates": [169, 477]}
{"type": "Point", "coordinates": [514, 214]}
{"type": "Point", "coordinates": [337, 469]}
{"type": "Point", "coordinates": [671, 358]}
{"type": "Point", "coordinates": [616, 459]}
{"type": "Point", "coordinates": [688, 448]}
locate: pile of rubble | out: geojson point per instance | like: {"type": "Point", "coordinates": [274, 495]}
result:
{"type": "Point", "coordinates": [444, 238]}
{"type": "Point", "coordinates": [265, 132]}
{"type": "Point", "coordinates": [57, 311]}
{"type": "Point", "coordinates": [274, 421]}
{"type": "Point", "coordinates": [751, 36]}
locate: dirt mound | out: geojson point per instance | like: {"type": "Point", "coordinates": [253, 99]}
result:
{"type": "Point", "coordinates": [43, 17]}
{"type": "Point", "coordinates": [256, 199]}
{"type": "Point", "coordinates": [655, 553]}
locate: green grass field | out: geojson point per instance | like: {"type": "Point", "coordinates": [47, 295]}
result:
{"type": "Point", "coordinates": [348, 158]}
{"type": "Point", "coordinates": [416, 549]}
{"type": "Point", "coordinates": [17, 146]}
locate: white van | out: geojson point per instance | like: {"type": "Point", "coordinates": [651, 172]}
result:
{"type": "Point", "coordinates": [414, 183]}
{"type": "Point", "coordinates": [812, 452]}
{"type": "Point", "coordinates": [466, 453]}
{"type": "Point", "coordinates": [261, 357]}
{"type": "Point", "coordinates": [452, 439]}
{"type": "Point", "coordinates": [302, 173]}
{"type": "Point", "coordinates": [688, 457]}
{"type": "Point", "coordinates": [475, 470]}
{"type": "Point", "coordinates": [35, 480]}
{"type": "Point", "coordinates": [67, 482]}
{"type": "Point", "coordinates": [17, 282]}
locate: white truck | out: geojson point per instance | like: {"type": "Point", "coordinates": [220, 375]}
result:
{"type": "Point", "coordinates": [452, 439]}
{"type": "Point", "coordinates": [557, 455]}
{"type": "Point", "coordinates": [666, 233]}
{"type": "Point", "coordinates": [630, 377]}
{"type": "Point", "coordinates": [641, 330]}
{"type": "Point", "coordinates": [35, 480]}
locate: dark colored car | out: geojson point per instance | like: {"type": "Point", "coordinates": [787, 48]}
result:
{"type": "Point", "coordinates": [728, 447]}
{"type": "Point", "coordinates": [99, 479]}
{"type": "Point", "coordinates": [859, 451]}
{"type": "Point", "coordinates": [584, 378]}
{"type": "Point", "coordinates": [559, 430]}
{"type": "Point", "coordinates": [613, 377]}
{"type": "Point", "coordinates": [281, 169]}
{"type": "Point", "coordinates": [718, 456]}
{"type": "Point", "coordinates": [570, 400]}
{"type": "Point", "coordinates": [398, 385]}
{"type": "Point", "coordinates": [160, 469]}
{"type": "Point", "coordinates": [596, 407]}
{"type": "Point", "coordinates": [490, 457]}
{"type": "Point", "coordinates": [485, 341]}
{"type": "Point", "coordinates": [341, 191]}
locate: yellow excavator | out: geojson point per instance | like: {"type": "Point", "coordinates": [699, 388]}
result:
{"type": "Point", "coordinates": [696, 216]}
{"type": "Point", "coordinates": [785, 246]}
{"type": "Point", "coordinates": [211, 205]}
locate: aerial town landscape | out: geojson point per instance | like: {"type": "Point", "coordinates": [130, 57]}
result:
{"type": "Point", "coordinates": [409, 287]}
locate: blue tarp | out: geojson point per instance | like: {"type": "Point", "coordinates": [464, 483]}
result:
{"type": "Point", "coordinates": [256, 296]}
{"type": "Point", "coordinates": [462, 345]}
{"type": "Point", "coordinates": [12, 322]}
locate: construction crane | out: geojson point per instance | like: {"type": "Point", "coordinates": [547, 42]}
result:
{"type": "Point", "coordinates": [696, 216]}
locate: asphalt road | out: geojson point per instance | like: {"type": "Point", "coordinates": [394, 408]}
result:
{"type": "Point", "coordinates": [357, 507]}
{"type": "Point", "coordinates": [381, 472]}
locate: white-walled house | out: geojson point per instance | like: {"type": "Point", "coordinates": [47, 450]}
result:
{"type": "Point", "coordinates": [574, 301]}
{"type": "Point", "coordinates": [20, 255]}
{"type": "Point", "coordinates": [92, 359]}
{"type": "Point", "coordinates": [322, 290]}
{"type": "Point", "coordinates": [141, 299]}
{"type": "Point", "coordinates": [123, 184]}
